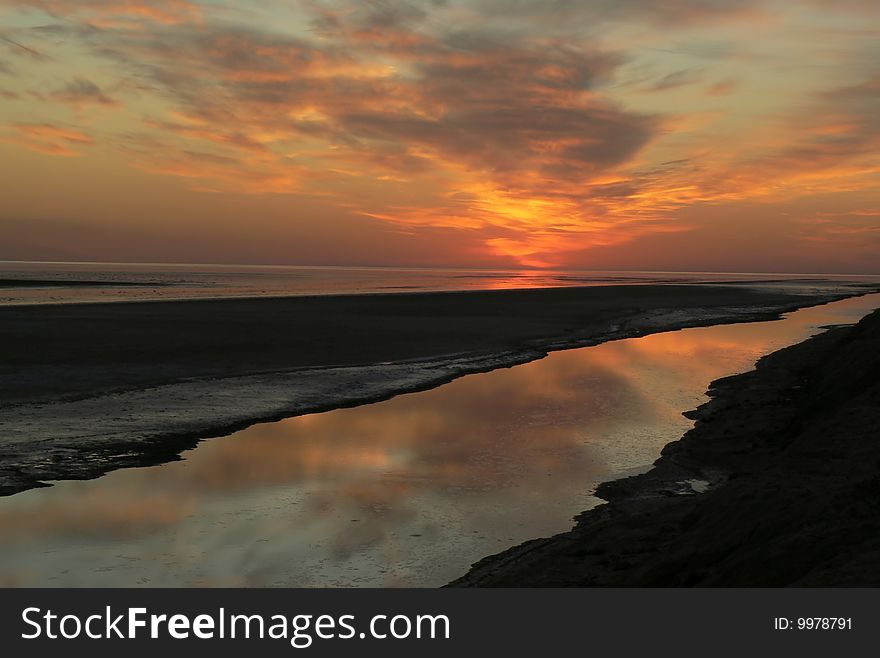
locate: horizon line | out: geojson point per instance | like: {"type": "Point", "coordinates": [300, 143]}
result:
{"type": "Point", "coordinates": [416, 267]}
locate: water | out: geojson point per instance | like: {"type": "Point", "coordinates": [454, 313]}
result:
{"type": "Point", "coordinates": [407, 492]}
{"type": "Point", "coordinates": [76, 282]}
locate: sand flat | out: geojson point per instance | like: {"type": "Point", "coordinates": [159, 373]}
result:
{"type": "Point", "coordinates": [85, 349]}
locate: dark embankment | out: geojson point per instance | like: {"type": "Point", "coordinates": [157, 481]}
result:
{"type": "Point", "coordinates": [791, 452]}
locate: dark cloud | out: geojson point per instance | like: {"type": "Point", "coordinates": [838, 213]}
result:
{"type": "Point", "coordinates": [664, 12]}
{"type": "Point", "coordinates": [865, 91]}
{"type": "Point", "coordinates": [18, 48]}
{"type": "Point", "coordinates": [506, 128]}
{"type": "Point", "coordinates": [844, 124]}
{"type": "Point", "coordinates": [373, 16]}
{"type": "Point", "coordinates": [467, 100]}
{"type": "Point", "coordinates": [83, 91]}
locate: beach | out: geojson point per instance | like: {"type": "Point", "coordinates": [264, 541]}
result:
{"type": "Point", "coordinates": [775, 486]}
{"type": "Point", "coordinates": [88, 388]}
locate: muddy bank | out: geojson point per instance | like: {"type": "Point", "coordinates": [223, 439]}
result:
{"type": "Point", "coordinates": [777, 485]}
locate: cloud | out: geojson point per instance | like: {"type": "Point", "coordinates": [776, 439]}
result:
{"type": "Point", "coordinates": [857, 230]}
{"type": "Point", "coordinates": [868, 6]}
{"type": "Point", "coordinates": [504, 119]}
{"type": "Point", "coordinates": [676, 79]}
{"type": "Point", "coordinates": [81, 91]}
{"type": "Point", "coordinates": [837, 138]}
{"type": "Point", "coordinates": [21, 49]}
{"type": "Point", "coordinates": [108, 12]}
{"type": "Point", "coordinates": [827, 143]}
{"type": "Point", "coordinates": [518, 128]}
{"type": "Point", "coordinates": [48, 138]}
{"type": "Point", "coordinates": [867, 91]}
{"type": "Point", "coordinates": [660, 12]}
{"type": "Point", "coordinates": [722, 88]}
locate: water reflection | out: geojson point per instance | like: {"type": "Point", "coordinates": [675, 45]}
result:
{"type": "Point", "coordinates": [404, 492]}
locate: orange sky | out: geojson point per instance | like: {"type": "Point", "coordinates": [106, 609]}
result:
{"type": "Point", "coordinates": [735, 135]}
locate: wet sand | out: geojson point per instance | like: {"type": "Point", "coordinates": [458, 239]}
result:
{"type": "Point", "coordinates": [87, 388]}
{"type": "Point", "coordinates": [777, 485]}
{"type": "Point", "coordinates": [51, 352]}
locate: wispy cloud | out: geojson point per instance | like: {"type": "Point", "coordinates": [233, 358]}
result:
{"type": "Point", "coordinates": [109, 12]}
{"type": "Point", "coordinates": [48, 138]}
{"type": "Point", "coordinates": [82, 91]}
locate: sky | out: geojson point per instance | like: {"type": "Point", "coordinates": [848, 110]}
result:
{"type": "Point", "coordinates": [685, 135]}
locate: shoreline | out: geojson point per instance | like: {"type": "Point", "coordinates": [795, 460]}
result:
{"type": "Point", "coordinates": [775, 486]}
{"type": "Point", "coordinates": [848, 289]}
{"type": "Point", "coordinates": [85, 435]}
{"type": "Point", "coordinates": [14, 284]}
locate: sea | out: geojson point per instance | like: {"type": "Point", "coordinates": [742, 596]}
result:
{"type": "Point", "coordinates": [24, 283]}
